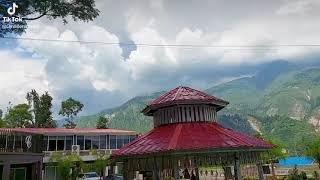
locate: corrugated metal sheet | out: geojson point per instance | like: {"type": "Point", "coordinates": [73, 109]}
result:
{"type": "Point", "coordinates": [190, 136]}
{"type": "Point", "coordinates": [63, 130]}
{"type": "Point", "coordinates": [182, 93]}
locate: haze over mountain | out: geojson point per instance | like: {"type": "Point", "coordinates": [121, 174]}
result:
{"type": "Point", "coordinates": [281, 99]}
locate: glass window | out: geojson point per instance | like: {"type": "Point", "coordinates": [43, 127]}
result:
{"type": "Point", "coordinates": [69, 142]}
{"type": "Point", "coordinates": [103, 141]}
{"type": "Point", "coordinates": [45, 143]}
{"type": "Point", "coordinates": [132, 138]}
{"type": "Point", "coordinates": [120, 141]}
{"type": "Point", "coordinates": [126, 140]}
{"type": "Point", "coordinates": [113, 142]}
{"type": "Point", "coordinates": [80, 142]}
{"type": "Point", "coordinates": [52, 143]}
{"type": "Point", "coordinates": [87, 142]}
{"type": "Point", "coordinates": [95, 142]}
{"type": "Point", "coordinates": [60, 143]}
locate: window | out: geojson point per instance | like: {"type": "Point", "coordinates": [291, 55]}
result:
{"type": "Point", "coordinates": [132, 138]}
{"type": "Point", "coordinates": [60, 143]}
{"type": "Point", "coordinates": [45, 143]}
{"type": "Point", "coordinates": [87, 143]}
{"type": "Point", "coordinates": [113, 142]}
{"type": "Point", "coordinates": [103, 141]}
{"type": "Point", "coordinates": [69, 142]}
{"type": "Point", "coordinates": [108, 141]}
{"type": "Point", "coordinates": [125, 140]}
{"type": "Point", "coordinates": [52, 143]}
{"type": "Point", "coordinates": [80, 142]}
{"type": "Point", "coordinates": [119, 141]}
{"type": "Point", "coordinates": [95, 142]}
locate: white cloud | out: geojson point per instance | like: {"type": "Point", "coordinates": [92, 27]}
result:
{"type": "Point", "coordinates": [18, 75]}
{"type": "Point", "coordinates": [100, 76]}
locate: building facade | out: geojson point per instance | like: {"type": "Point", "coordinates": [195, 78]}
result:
{"type": "Point", "coordinates": [84, 142]}
{"type": "Point", "coordinates": [20, 155]}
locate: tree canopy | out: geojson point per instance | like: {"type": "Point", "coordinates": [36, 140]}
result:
{"type": "Point", "coordinates": [69, 167]}
{"type": "Point", "coordinates": [19, 116]}
{"type": "Point", "coordinates": [313, 150]}
{"type": "Point", "coordinates": [70, 109]}
{"type": "Point", "coordinates": [103, 122]}
{"type": "Point", "coordinates": [28, 10]}
{"type": "Point", "coordinates": [41, 109]}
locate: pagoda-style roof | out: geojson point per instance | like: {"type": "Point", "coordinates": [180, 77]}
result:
{"type": "Point", "coordinates": [183, 95]}
{"type": "Point", "coordinates": [189, 137]}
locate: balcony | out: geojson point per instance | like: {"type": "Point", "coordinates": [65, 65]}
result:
{"type": "Point", "coordinates": [12, 141]}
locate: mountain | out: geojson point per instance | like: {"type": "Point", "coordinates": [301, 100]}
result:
{"type": "Point", "coordinates": [281, 100]}
{"type": "Point", "coordinates": [126, 116]}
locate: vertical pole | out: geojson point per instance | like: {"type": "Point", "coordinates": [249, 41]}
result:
{"type": "Point", "coordinates": [125, 170]}
{"type": "Point", "coordinates": [237, 170]}
{"type": "Point", "coordinates": [6, 170]}
{"type": "Point", "coordinates": [176, 169]}
{"type": "Point", "coordinates": [155, 172]}
{"type": "Point", "coordinates": [260, 171]}
{"type": "Point", "coordinates": [196, 164]}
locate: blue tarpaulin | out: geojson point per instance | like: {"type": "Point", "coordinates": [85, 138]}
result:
{"type": "Point", "coordinates": [299, 161]}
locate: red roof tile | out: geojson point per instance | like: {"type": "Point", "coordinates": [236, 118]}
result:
{"type": "Point", "coordinates": [66, 131]}
{"type": "Point", "coordinates": [190, 136]}
{"type": "Point", "coordinates": [182, 93]}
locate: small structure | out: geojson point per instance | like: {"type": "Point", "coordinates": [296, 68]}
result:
{"type": "Point", "coordinates": [15, 156]}
{"type": "Point", "coordinates": [20, 155]}
{"type": "Point", "coordinates": [186, 136]}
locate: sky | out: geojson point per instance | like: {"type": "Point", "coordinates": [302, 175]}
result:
{"type": "Point", "coordinates": [103, 76]}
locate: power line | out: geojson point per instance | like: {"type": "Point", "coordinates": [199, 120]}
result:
{"type": "Point", "coordinates": [251, 47]}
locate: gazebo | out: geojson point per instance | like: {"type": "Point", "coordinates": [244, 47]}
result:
{"type": "Point", "coordinates": [186, 136]}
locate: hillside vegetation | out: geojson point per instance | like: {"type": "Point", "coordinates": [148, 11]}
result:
{"type": "Point", "coordinates": [281, 102]}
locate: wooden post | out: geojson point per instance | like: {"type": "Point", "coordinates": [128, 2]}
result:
{"type": "Point", "coordinates": [155, 172]}
{"type": "Point", "coordinates": [260, 171]}
{"type": "Point", "coordinates": [125, 170]}
{"type": "Point", "coordinates": [196, 164]}
{"type": "Point", "coordinates": [176, 169]}
{"type": "Point", "coordinates": [6, 170]}
{"type": "Point", "coordinates": [237, 170]}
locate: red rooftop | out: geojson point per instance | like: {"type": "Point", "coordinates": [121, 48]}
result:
{"type": "Point", "coordinates": [186, 129]}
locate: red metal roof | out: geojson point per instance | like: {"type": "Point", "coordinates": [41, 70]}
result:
{"type": "Point", "coordinates": [182, 93]}
{"type": "Point", "coordinates": [63, 130]}
{"type": "Point", "coordinates": [190, 136]}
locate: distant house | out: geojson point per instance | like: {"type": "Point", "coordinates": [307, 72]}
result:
{"type": "Point", "coordinates": [46, 141]}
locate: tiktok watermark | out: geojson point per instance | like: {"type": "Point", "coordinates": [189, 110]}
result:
{"type": "Point", "coordinates": [13, 21]}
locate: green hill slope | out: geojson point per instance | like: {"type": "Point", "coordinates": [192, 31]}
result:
{"type": "Point", "coordinates": [293, 95]}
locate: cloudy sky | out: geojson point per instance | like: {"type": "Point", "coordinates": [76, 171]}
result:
{"type": "Point", "coordinates": [103, 76]}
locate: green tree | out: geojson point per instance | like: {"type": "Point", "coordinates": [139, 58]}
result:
{"type": "Point", "coordinates": [294, 174]}
{"type": "Point", "coordinates": [19, 116]}
{"type": "Point", "coordinates": [41, 109]}
{"type": "Point", "coordinates": [69, 167]}
{"type": "Point", "coordinates": [313, 150]}
{"type": "Point", "coordinates": [2, 122]}
{"type": "Point", "coordinates": [70, 109]}
{"type": "Point", "coordinates": [83, 10]}
{"type": "Point", "coordinates": [103, 122]}
{"type": "Point", "coordinates": [100, 164]}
